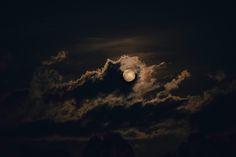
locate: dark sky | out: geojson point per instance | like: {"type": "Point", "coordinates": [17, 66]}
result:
{"type": "Point", "coordinates": [195, 40]}
{"type": "Point", "coordinates": [31, 31]}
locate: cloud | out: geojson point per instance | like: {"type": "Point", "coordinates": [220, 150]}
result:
{"type": "Point", "coordinates": [102, 99]}
{"type": "Point", "coordinates": [118, 44]}
{"type": "Point", "coordinates": [56, 59]}
{"type": "Point", "coordinates": [164, 96]}
{"type": "Point", "coordinates": [146, 80]}
{"type": "Point", "coordinates": [64, 112]}
{"type": "Point", "coordinates": [173, 84]}
{"type": "Point", "coordinates": [71, 100]}
{"type": "Point", "coordinates": [217, 76]}
{"type": "Point", "coordinates": [166, 128]}
{"type": "Point", "coordinates": [62, 101]}
{"type": "Point", "coordinates": [197, 102]}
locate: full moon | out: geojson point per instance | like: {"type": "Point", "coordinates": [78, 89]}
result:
{"type": "Point", "coordinates": [129, 75]}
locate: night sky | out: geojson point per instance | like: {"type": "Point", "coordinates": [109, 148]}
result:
{"type": "Point", "coordinates": [62, 65]}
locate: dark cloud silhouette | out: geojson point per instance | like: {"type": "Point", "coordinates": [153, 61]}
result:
{"type": "Point", "coordinates": [108, 145]}
{"type": "Point", "coordinates": [200, 144]}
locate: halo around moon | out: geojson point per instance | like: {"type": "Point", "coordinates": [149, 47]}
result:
{"type": "Point", "coordinates": [129, 75]}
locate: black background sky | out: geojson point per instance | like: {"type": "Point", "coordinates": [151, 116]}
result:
{"type": "Point", "coordinates": [199, 36]}
{"type": "Point", "coordinates": [30, 31]}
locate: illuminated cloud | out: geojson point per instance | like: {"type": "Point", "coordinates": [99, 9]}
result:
{"type": "Point", "coordinates": [197, 102]}
{"type": "Point", "coordinates": [62, 101]}
{"type": "Point", "coordinates": [104, 86]}
{"type": "Point", "coordinates": [165, 128]}
{"type": "Point", "coordinates": [94, 97]}
{"type": "Point", "coordinates": [56, 59]}
{"type": "Point", "coordinates": [173, 84]}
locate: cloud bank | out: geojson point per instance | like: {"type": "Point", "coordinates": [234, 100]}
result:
{"type": "Point", "coordinates": [150, 99]}
{"type": "Point", "coordinates": [73, 99]}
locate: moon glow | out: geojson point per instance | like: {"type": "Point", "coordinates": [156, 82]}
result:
{"type": "Point", "coordinates": [129, 75]}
